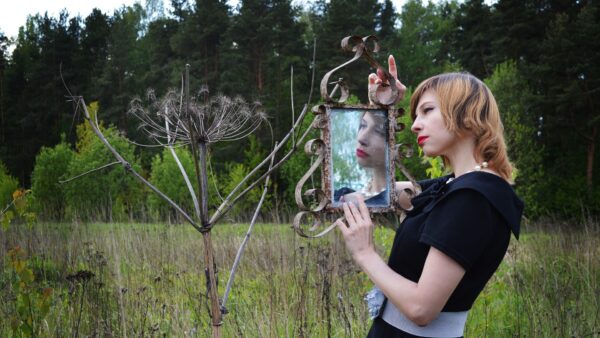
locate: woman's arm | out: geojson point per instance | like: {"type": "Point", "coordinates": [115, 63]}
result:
{"type": "Point", "coordinates": [420, 302]}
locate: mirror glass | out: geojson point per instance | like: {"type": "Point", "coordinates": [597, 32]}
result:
{"type": "Point", "coordinates": [359, 156]}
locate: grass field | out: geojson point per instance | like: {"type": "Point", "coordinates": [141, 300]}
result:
{"type": "Point", "coordinates": [140, 280]}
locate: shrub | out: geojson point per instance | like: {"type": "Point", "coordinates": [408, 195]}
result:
{"type": "Point", "coordinates": [8, 185]}
{"type": "Point", "coordinates": [166, 176]}
{"type": "Point", "coordinates": [107, 195]}
{"type": "Point", "coordinates": [51, 165]}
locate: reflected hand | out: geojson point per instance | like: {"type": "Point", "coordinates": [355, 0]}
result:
{"type": "Point", "coordinates": [384, 92]}
{"type": "Point", "coordinates": [353, 197]}
{"type": "Point", "coordinates": [358, 232]}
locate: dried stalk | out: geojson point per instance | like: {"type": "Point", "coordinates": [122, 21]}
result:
{"type": "Point", "coordinates": [81, 102]}
{"type": "Point", "coordinates": [183, 173]}
{"type": "Point", "coordinates": [240, 251]}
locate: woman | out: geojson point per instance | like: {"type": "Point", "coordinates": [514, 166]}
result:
{"type": "Point", "coordinates": [371, 147]}
{"type": "Point", "coordinates": [458, 229]}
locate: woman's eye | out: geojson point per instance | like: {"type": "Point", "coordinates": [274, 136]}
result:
{"type": "Point", "coordinates": [427, 110]}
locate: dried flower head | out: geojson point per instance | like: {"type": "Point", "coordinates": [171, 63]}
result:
{"type": "Point", "coordinates": [207, 119]}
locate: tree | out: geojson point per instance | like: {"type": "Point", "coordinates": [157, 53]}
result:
{"type": "Point", "coordinates": [569, 96]}
{"type": "Point", "coordinates": [515, 101]}
{"type": "Point", "coordinates": [199, 42]}
{"type": "Point", "coordinates": [421, 47]}
{"type": "Point", "coordinates": [473, 38]}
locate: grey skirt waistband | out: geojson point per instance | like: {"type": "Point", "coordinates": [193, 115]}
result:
{"type": "Point", "coordinates": [446, 325]}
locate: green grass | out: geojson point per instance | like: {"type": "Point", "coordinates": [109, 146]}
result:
{"type": "Point", "coordinates": [149, 281]}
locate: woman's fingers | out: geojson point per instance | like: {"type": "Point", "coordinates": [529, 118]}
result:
{"type": "Point", "coordinates": [392, 67]}
{"type": "Point", "coordinates": [349, 215]}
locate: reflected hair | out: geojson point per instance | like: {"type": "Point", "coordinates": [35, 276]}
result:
{"type": "Point", "coordinates": [467, 105]}
{"type": "Point", "coordinates": [380, 119]}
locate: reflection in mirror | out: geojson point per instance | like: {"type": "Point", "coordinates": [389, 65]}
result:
{"type": "Point", "coordinates": [360, 153]}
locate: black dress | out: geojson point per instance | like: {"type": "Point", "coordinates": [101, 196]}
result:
{"type": "Point", "coordinates": [469, 219]}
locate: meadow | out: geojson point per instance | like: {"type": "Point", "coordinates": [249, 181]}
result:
{"type": "Point", "coordinates": [147, 280]}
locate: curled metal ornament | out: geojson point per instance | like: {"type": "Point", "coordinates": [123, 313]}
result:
{"type": "Point", "coordinates": [311, 148]}
{"type": "Point", "coordinates": [405, 151]}
{"type": "Point", "coordinates": [314, 147]}
{"type": "Point", "coordinates": [315, 224]}
{"type": "Point", "coordinates": [362, 47]}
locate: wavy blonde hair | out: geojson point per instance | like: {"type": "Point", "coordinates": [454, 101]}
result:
{"type": "Point", "coordinates": [467, 105]}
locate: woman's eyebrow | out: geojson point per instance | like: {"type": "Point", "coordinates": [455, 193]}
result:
{"type": "Point", "coordinates": [424, 103]}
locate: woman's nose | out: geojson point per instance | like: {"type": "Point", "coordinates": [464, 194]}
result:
{"type": "Point", "coordinates": [416, 126]}
{"type": "Point", "coordinates": [362, 139]}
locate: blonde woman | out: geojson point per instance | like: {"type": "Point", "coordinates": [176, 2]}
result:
{"type": "Point", "coordinates": [458, 229]}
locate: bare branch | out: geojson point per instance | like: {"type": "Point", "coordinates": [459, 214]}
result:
{"type": "Point", "coordinates": [89, 172]}
{"type": "Point", "coordinates": [230, 200]}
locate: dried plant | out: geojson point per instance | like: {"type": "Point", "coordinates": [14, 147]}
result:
{"type": "Point", "coordinates": [203, 119]}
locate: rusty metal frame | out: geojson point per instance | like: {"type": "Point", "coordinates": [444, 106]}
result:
{"type": "Point", "coordinates": [320, 148]}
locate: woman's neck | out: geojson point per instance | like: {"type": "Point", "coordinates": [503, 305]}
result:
{"type": "Point", "coordinates": [462, 160]}
{"type": "Point", "coordinates": [379, 181]}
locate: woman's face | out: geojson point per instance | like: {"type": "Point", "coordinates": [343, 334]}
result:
{"type": "Point", "coordinates": [371, 145]}
{"type": "Point", "coordinates": [432, 134]}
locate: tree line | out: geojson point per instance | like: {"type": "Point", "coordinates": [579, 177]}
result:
{"type": "Point", "coordinates": [540, 58]}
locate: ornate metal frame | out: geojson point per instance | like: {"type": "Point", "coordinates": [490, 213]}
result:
{"type": "Point", "coordinates": [321, 147]}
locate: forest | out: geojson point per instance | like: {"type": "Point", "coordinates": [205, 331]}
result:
{"type": "Point", "coordinates": [88, 250]}
{"type": "Point", "coordinates": [539, 57]}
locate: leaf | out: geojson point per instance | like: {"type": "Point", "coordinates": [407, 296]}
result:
{"type": "Point", "coordinates": [5, 219]}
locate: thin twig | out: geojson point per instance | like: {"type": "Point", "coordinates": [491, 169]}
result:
{"type": "Point", "coordinates": [240, 251]}
{"type": "Point", "coordinates": [226, 205]}
{"type": "Point", "coordinates": [89, 172]}
{"type": "Point", "coordinates": [182, 170]}
{"type": "Point", "coordinates": [13, 202]}
{"type": "Point", "coordinates": [230, 201]}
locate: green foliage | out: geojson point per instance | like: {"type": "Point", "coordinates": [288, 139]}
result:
{"type": "Point", "coordinates": [51, 166]}
{"type": "Point", "coordinates": [514, 101]}
{"type": "Point", "coordinates": [109, 194]}
{"type": "Point", "coordinates": [235, 172]}
{"type": "Point", "coordinates": [167, 177]}
{"type": "Point", "coordinates": [31, 304]}
{"type": "Point", "coordinates": [8, 185]}
{"type": "Point", "coordinates": [147, 278]}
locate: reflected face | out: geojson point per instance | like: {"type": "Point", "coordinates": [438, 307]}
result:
{"type": "Point", "coordinates": [371, 141]}
{"type": "Point", "coordinates": [432, 134]}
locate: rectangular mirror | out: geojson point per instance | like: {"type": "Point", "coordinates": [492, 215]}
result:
{"type": "Point", "coordinates": [360, 158]}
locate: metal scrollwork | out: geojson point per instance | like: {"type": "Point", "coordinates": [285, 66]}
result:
{"type": "Point", "coordinates": [362, 47]}
{"type": "Point", "coordinates": [315, 203]}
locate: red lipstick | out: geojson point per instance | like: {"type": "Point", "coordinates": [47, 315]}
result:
{"type": "Point", "coordinates": [422, 139]}
{"type": "Point", "coordinates": [361, 153]}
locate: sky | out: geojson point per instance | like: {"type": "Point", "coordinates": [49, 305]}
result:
{"type": "Point", "coordinates": [14, 14]}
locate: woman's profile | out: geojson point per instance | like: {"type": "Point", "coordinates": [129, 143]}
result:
{"type": "Point", "coordinates": [371, 155]}
{"type": "Point", "coordinates": [457, 230]}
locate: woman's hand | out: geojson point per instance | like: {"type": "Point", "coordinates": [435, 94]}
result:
{"type": "Point", "coordinates": [384, 91]}
{"type": "Point", "coordinates": [358, 229]}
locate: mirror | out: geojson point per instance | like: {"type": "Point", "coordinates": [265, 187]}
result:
{"type": "Point", "coordinates": [360, 156]}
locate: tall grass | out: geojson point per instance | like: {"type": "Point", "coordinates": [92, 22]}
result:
{"type": "Point", "coordinates": [148, 280]}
